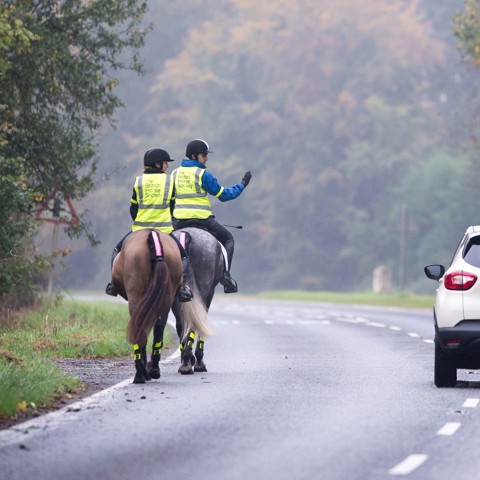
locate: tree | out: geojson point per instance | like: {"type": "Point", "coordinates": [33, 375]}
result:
{"type": "Point", "coordinates": [57, 88]}
{"type": "Point", "coordinates": [467, 30]}
{"type": "Point", "coordinates": [326, 102]}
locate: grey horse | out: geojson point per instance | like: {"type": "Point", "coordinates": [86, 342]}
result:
{"type": "Point", "coordinates": [206, 267]}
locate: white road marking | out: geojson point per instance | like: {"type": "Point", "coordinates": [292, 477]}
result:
{"type": "Point", "coordinates": [471, 402]}
{"type": "Point", "coordinates": [375, 324]}
{"type": "Point", "coordinates": [395, 328]}
{"type": "Point", "coordinates": [411, 463]}
{"type": "Point", "coordinates": [449, 428]}
{"type": "Point", "coordinates": [428, 340]}
{"type": "Point", "coordinates": [413, 335]}
{"type": "Point", "coordinates": [361, 320]}
{"type": "Point", "coordinates": [349, 320]}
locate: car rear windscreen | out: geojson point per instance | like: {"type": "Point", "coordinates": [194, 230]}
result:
{"type": "Point", "coordinates": [472, 252]}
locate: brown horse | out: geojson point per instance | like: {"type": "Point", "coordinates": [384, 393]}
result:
{"type": "Point", "coordinates": [148, 273]}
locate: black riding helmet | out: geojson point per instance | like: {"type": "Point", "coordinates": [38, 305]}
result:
{"type": "Point", "coordinates": [156, 155]}
{"type": "Point", "coordinates": [197, 146]}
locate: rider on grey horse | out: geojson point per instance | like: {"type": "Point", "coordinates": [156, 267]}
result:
{"type": "Point", "coordinates": [193, 183]}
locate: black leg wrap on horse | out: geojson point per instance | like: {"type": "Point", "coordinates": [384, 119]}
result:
{"type": "Point", "coordinates": [199, 364]}
{"type": "Point", "coordinates": [187, 358]}
{"type": "Point", "coordinates": [139, 356]}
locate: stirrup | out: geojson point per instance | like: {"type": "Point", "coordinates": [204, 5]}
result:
{"type": "Point", "coordinates": [229, 284]}
{"type": "Point", "coordinates": [110, 290]}
{"type": "Point", "coordinates": [185, 294]}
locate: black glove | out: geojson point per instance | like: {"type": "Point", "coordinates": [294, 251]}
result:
{"type": "Point", "coordinates": [246, 178]}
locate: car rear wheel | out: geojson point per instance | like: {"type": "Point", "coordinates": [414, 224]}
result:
{"type": "Point", "coordinates": [445, 368]}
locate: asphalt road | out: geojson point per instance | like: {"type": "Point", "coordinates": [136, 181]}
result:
{"type": "Point", "coordinates": [293, 391]}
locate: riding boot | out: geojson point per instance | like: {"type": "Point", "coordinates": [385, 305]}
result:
{"type": "Point", "coordinates": [110, 290]}
{"type": "Point", "coordinates": [185, 293]}
{"type": "Point", "coordinates": [229, 284]}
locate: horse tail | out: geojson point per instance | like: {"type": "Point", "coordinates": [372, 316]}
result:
{"type": "Point", "coordinates": [195, 315]}
{"type": "Point", "coordinates": [146, 312]}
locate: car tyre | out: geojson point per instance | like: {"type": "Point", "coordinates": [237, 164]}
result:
{"type": "Point", "coordinates": [445, 374]}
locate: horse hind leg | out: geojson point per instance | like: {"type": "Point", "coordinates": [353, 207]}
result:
{"type": "Point", "coordinates": [140, 358]}
{"type": "Point", "coordinates": [187, 358]}
{"type": "Point", "coordinates": [153, 366]}
{"type": "Point", "coordinates": [199, 351]}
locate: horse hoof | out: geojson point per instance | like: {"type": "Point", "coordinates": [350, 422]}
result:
{"type": "Point", "coordinates": [154, 372]}
{"type": "Point", "coordinates": [200, 367]}
{"type": "Point", "coordinates": [139, 378]}
{"type": "Point", "coordinates": [185, 370]}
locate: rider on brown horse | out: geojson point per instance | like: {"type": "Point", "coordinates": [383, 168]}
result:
{"type": "Point", "coordinates": [150, 209]}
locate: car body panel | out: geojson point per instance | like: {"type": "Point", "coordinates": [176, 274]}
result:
{"type": "Point", "coordinates": [455, 306]}
{"type": "Point", "coordinates": [457, 310]}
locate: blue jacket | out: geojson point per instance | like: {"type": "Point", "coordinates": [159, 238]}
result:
{"type": "Point", "coordinates": [211, 185]}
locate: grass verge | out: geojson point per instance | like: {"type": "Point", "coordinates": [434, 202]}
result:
{"type": "Point", "coordinates": [400, 300]}
{"type": "Point", "coordinates": [30, 342]}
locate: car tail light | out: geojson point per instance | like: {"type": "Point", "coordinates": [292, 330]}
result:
{"type": "Point", "coordinates": [452, 343]}
{"type": "Point", "coordinates": [459, 281]}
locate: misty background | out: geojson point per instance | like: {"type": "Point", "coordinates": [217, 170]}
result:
{"type": "Point", "coordinates": [358, 121]}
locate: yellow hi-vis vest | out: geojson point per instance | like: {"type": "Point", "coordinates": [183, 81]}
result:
{"type": "Point", "coordinates": [154, 192]}
{"type": "Point", "coordinates": [191, 199]}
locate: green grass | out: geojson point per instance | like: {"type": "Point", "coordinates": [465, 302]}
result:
{"type": "Point", "coordinates": [29, 377]}
{"type": "Point", "coordinates": [401, 300]}
{"type": "Point", "coordinates": [30, 384]}
{"type": "Point", "coordinates": [71, 330]}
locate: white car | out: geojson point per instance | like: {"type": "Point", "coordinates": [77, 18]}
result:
{"type": "Point", "coordinates": [457, 310]}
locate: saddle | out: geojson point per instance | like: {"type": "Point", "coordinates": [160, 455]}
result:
{"type": "Point", "coordinates": [155, 246]}
{"type": "Point", "coordinates": [185, 239]}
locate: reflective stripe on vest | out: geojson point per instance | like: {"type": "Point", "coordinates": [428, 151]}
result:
{"type": "Point", "coordinates": [152, 189]}
{"type": "Point", "coordinates": [191, 200]}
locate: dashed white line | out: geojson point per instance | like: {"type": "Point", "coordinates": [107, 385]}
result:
{"type": "Point", "coordinates": [349, 320]}
{"type": "Point", "coordinates": [411, 463]}
{"type": "Point", "coordinates": [428, 340]}
{"type": "Point", "coordinates": [413, 335]}
{"type": "Point", "coordinates": [471, 402]}
{"type": "Point", "coordinates": [375, 324]}
{"type": "Point", "coordinates": [449, 428]}
{"type": "Point", "coordinates": [395, 328]}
